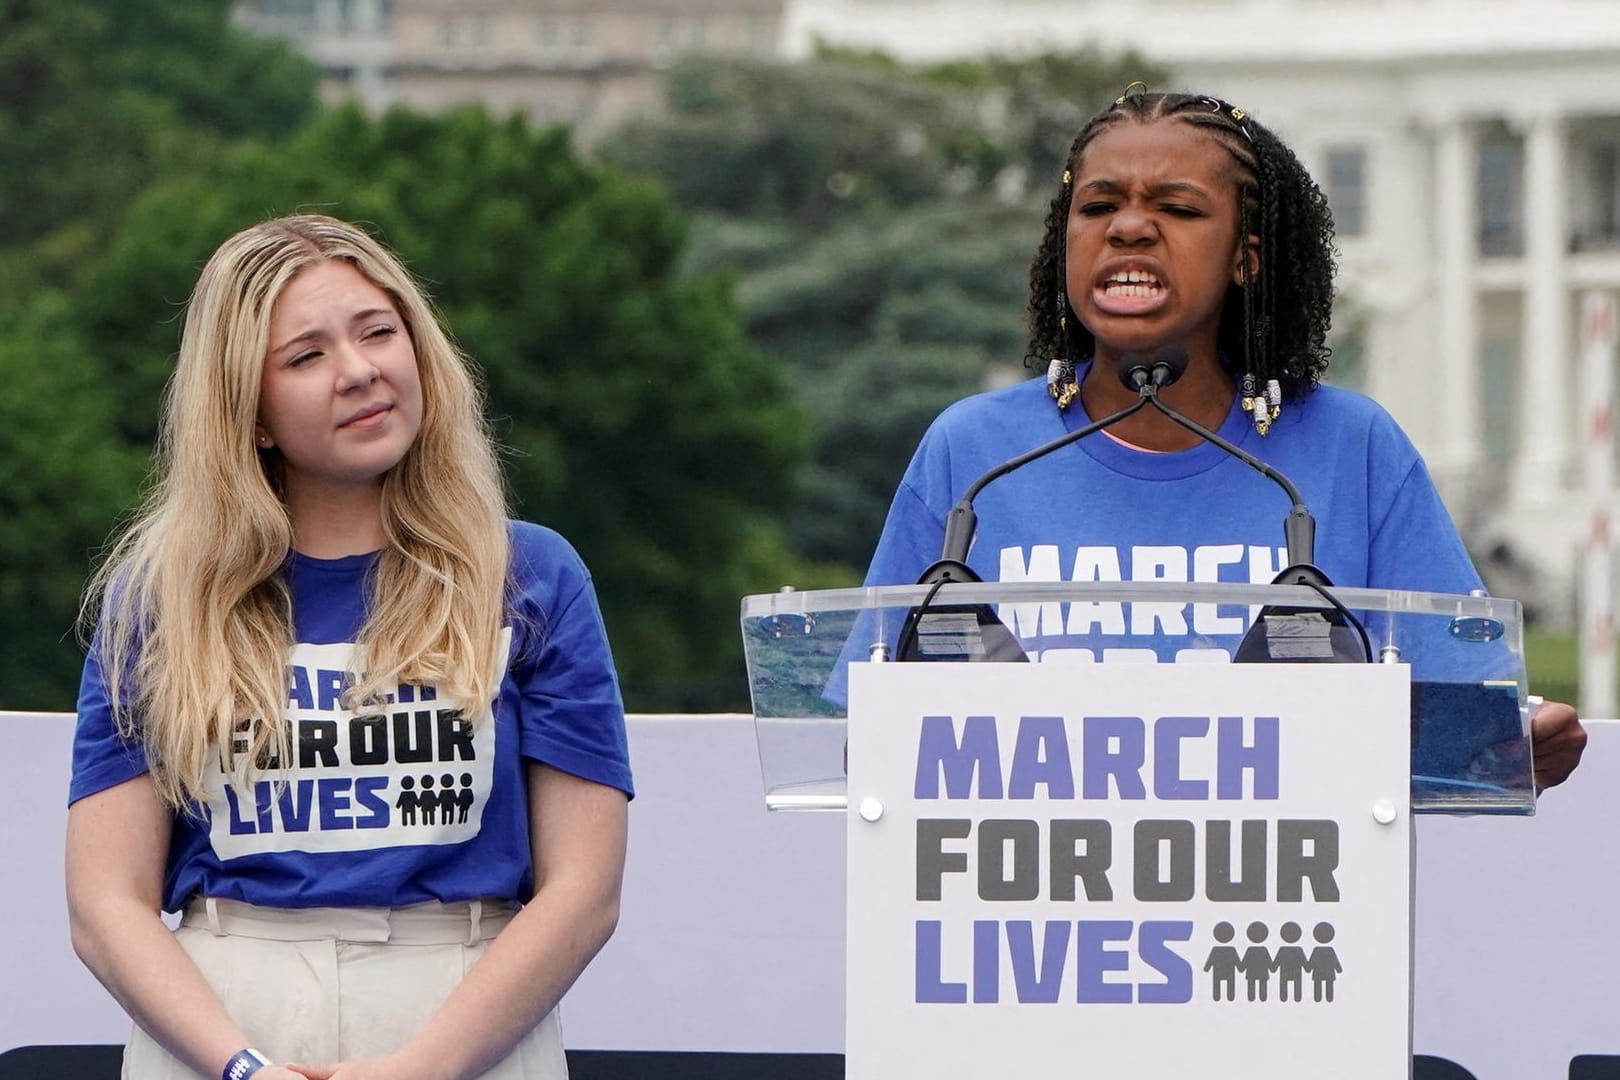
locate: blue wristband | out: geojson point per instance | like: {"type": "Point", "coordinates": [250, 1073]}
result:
{"type": "Point", "coordinates": [243, 1064]}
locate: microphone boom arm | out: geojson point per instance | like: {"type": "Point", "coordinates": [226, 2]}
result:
{"type": "Point", "coordinates": [1299, 528]}
{"type": "Point", "coordinates": [962, 522]}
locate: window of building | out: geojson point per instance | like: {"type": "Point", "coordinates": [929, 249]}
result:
{"type": "Point", "coordinates": [365, 16]}
{"type": "Point", "coordinates": [1598, 213]}
{"type": "Point", "coordinates": [465, 32]}
{"type": "Point", "coordinates": [761, 34]}
{"type": "Point", "coordinates": [1500, 184]}
{"type": "Point", "coordinates": [1499, 396]}
{"type": "Point", "coordinates": [1347, 189]}
{"type": "Point", "coordinates": [291, 18]}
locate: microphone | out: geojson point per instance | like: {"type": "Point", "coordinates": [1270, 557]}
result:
{"type": "Point", "coordinates": [1307, 635]}
{"type": "Point", "coordinates": [972, 632]}
{"type": "Point", "coordinates": [1166, 366]}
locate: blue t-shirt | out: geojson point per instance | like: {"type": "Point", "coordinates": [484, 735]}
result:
{"type": "Point", "coordinates": [411, 802]}
{"type": "Point", "coordinates": [1098, 510]}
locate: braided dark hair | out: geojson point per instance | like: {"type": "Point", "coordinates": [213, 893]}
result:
{"type": "Point", "coordinates": [1276, 326]}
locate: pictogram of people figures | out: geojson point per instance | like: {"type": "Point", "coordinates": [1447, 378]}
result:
{"type": "Point", "coordinates": [447, 804]}
{"type": "Point", "coordinates": [1257, 963]}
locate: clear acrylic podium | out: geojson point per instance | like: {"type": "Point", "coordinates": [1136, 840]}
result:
{"type": "Point", "coordinates": [1470, 716]}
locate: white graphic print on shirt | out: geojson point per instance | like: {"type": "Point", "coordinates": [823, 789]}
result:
{"type": "Point", "coordinates": [413, 770]}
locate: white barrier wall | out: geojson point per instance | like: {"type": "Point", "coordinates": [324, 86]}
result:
{"type": "Point", "coordinates": [732, 931]}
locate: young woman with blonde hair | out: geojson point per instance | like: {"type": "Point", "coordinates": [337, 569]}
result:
{"type": "Point", "coordinates": [364, 732]}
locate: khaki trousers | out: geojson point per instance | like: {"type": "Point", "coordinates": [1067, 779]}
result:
{"type": "Point", "coordinates": [321, 985]}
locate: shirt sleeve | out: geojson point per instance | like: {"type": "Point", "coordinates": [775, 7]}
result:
{"type": "Point", "coordinates": [572, 714]}
{"type": "Point", "coordinates": [1415, 545]}
{"type": "Point", "coordinates": [102, 757]}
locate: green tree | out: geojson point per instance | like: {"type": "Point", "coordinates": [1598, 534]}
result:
{"type": "Point", "coordinates": [62, 480]}
{"type": "Point", "coordinates": [883, 323]}
{"type": "Point", "coordinates": [639, 422]}
{"type": "Point", "coordinates": [97, 98]}
{"type": "Point", "coordinates": [881, 219]}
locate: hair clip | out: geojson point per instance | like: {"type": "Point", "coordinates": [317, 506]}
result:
{"type": "Point", "coordinates": [1132, 85]}
{"type": "Point", "coordinates": [1068, 177]}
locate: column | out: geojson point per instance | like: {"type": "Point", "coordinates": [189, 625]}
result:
{"type": "Point", "coordinates": [1545, 365]}
{"type": "Point", "coordinates": [372, 35]}
{"type": "Point", "coordinates": [328, 19]}
{"type": "Point", "coordinates": [1460, 446]}
{"type": "Point", "coordinates": [1600, 332]}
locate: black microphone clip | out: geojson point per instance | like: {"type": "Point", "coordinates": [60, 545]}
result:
{"type": "Point", "coordinates": [1148, 376]}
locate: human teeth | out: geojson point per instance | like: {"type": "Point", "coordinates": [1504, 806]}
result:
{"type": "Point", "coordinates": [1133, 283]}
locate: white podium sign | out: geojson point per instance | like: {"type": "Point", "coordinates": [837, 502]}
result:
{"type": "Point", "coordinates": [1129, 871]}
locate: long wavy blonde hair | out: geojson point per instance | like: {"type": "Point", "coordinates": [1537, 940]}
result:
{"type": "Point", "coordinates": [195, 625]}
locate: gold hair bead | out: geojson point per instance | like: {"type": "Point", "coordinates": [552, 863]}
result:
{"type": "Point", "coordinates": [1060, 382]}
{"type": "Point", "coordinates": [1068, 176]}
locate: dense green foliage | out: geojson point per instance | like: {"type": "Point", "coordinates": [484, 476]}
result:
{"type": "Point", "coordinates": [881, 220]}
{"type": "Point", "coordinates": [97, 101]}
{"type": "Point", "coordinates": [98, 98]}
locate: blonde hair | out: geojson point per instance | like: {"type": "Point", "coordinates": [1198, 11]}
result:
{"type": "Point", "coordinates": [195, 622]}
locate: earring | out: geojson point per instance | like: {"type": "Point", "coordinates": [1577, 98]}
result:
{"type": "Point", "coordinates": [264, 440]}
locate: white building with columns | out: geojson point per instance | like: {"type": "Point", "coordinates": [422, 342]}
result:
{"type": "Point", "coordinates": [1471, 151]}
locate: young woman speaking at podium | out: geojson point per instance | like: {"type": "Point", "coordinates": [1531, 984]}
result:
{"type": "Point", "coordinates": [361, 730]}
{"type": "Point", "coordinates": [1183, 229]}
